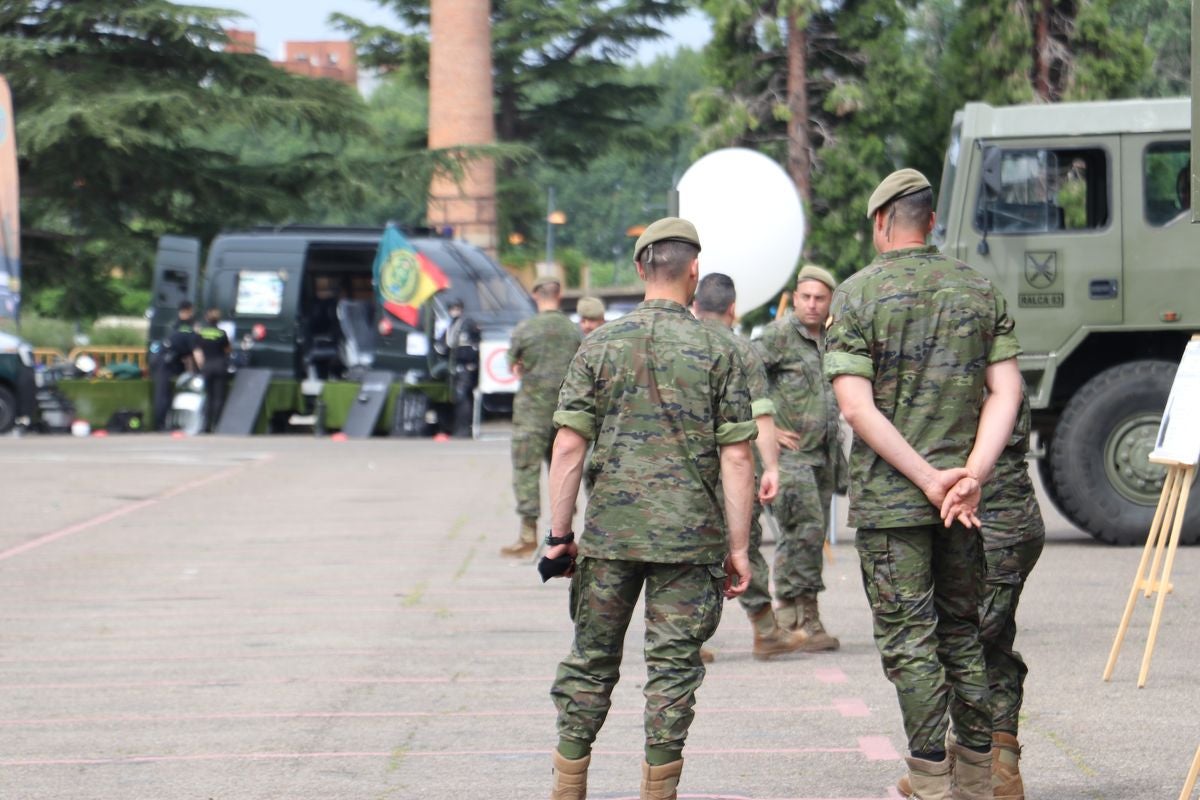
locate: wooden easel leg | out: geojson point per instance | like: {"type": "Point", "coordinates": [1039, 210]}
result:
{"type": "Point", "coordinates": [1151, 542]}
{"type": "Point", "coordinates": [1193, 773]}
{"type": "Point", "coordinates": [1172, 509]}
{"type": "Point", "coordinates": [1184, 477]}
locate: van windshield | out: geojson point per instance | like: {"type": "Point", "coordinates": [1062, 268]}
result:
{"type": "Point", "coordinates": [949, 170]}
{"type": "Point", "coordinates": [490, 296]}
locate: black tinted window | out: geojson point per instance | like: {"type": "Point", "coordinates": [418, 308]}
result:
{"type": "Point", "coordinates": [1166, 175]}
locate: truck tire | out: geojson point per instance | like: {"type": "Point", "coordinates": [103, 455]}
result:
{"type": "Point", "coordinates": [1098, 465]}
{"type": "Point", "coordinates": [8, 409]}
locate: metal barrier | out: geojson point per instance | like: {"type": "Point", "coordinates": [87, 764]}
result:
{"type": "Point", "coordinates": [47, 356]}
{"type": "Point", "coordinates": [112, 354]}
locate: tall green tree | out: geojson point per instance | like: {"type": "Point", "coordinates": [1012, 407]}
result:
{"type": "Point", "coordinates": [559, 79]}
{"type": "Point", "coordinates": [116, 104]}
{"type": "Point", "coordinates": [1166, 27]}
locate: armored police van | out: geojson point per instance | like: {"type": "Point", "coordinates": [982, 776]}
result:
{"type": "Point", "coordinates": [1080, 213]}
{"type": "Point", "coordinates": [301, 302]}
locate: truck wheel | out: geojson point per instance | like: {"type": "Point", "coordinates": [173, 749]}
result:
{"type": "Point", "coordinates": [1098, 458]}
{"type": "Point", "coordinates": [8, 409]}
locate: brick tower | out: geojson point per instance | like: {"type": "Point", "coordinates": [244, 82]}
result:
{"type": "Point", "coordinates": [460, 113]}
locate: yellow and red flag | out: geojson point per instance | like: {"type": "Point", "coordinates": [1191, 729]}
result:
{"type": "Point", "coordinates": [404, 278]}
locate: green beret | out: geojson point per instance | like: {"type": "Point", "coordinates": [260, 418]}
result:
{"type": "Point", "coordinates": [590, 308]}
{"type": "Point", "coordinates": [811, 272]}
{"type": "Point", "coordinates": [667, 229]}
{"type": "Point", "coordinates": [900, 183]}
{"type": "Point", "coordinates": [546, 280]}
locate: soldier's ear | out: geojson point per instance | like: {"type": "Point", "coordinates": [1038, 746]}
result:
{"type": "Point", "coordinates": [641, 271]}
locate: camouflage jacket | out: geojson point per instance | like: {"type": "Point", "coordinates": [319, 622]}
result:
{"type": "Point", "coordinates": [804, 401]}
{"type": "Point", "coordinates": [922, 328]}
{"type": "Point", "coordinates": [756, 375]}
{"type": "Point", "coordinates": [659, 394]}
{"type": "Point", "coordinates": [1009, 509]}
{"type": "Point", "coordinates": [544, 345]}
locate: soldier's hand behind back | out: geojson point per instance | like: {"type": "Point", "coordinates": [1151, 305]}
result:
{"type": "Point", "coordinates": [737, 574]}
{"type": "Point", "coordinates": [962, 503]}
{"type": "Point", "coordinates": [768, 486]}
{"type": "Point", "coordinates": [789, 440]}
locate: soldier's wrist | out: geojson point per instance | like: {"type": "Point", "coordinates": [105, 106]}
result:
{"type": "Point", "coordinates": [553, 539]}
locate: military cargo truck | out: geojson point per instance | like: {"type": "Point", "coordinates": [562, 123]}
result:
{"type": "Point", "coordinates": [1080, 213]}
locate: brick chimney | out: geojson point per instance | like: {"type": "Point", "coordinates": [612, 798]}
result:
{"type": "Point", "coordinates": [460, 113]}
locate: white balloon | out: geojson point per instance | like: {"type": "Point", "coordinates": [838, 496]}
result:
{"type": "Point", "coordinates": [750, 220]}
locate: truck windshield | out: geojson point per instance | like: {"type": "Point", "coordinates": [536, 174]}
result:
{"type": "Point", "coordinates": [488, 293]}
{"type": "Point", "coordinates": [949, 170]}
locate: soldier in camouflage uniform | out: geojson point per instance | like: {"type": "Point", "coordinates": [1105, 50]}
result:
{"type": "Point", "coordinates": [714, 307]}
{"type": "Point", "coordinates": [916, 338]}
{"type": "Point", "coordinates": [664, 400]}
{"type": "Point", "coordinates": [807, 413]}
{"type": "Point", "coordinates": [591, 314]}
{"type": "Point", "coordinates": [541, 348]}
{"type": "Point", "coordinates": [1013, 536]}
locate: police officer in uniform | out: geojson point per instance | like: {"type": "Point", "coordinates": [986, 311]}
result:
{"type": "Point", "coordinates": [174, 357]}
{"type": "Point", "coordinates": [591, 314]}
{"type": "Point", "coordinates": [792, 347]}
{"type": "Point", "coordinates": [460, 342]}
{"type": "Point", "coordinates": [916, 339]}
{"type": "Point", "coordinates": [542, 347]}
{"type": "Point", "coordinates": [664, 400]}
{"type": "Point", "coordinates": [212, 357]}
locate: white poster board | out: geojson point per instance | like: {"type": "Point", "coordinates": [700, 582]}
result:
{"type": "Point", "coordinates": [1178, 439]}
{"type": "Point", "coordinates": [494, 375]}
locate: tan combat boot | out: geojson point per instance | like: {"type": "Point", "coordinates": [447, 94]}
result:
{"type": "Point", "coordinates": [770, 639]}
{"type": "Point", "coordinates": [927, 780]}
{"type": "Point", "coordinates": [526, 544]}
{"type": "Point", "coordinates": [570, 777]}
{"type": "Point", "coordinates": [707, 656]}
{"type": "Point", "coordinates": [972, 774]}
{"type": "Point", "coordinates": [660, 783]}
{"type": "Point", "coordinates": [787, 615]}
{"type": "Point", "coordinates": [810, 623]}
{"type": "Point", "coordinates": [1006, 776]}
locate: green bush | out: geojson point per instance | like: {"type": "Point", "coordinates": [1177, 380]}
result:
{"type": "Point", "coordinates": [112, 336]}
{"type": "Point", "coordinates": [42, 331]}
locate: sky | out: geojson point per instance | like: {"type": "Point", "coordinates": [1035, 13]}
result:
{"type": "Point", "coordinates": [275, 22]}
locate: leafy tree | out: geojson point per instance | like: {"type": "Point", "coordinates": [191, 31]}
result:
{"type": "Point", "coordinates": [1166, 26]}
{"type": "Point", "coordinates": [559, 79]}
{"type": "Point", "coordinates": [115, 104]}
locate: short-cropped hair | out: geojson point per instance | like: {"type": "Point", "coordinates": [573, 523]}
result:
{"type": "Point", "coordinates": [912, 211]}
{"type": "Point", "coordinates": [667, 260]}
{"type": "Point", "coordinates": [716, 293]}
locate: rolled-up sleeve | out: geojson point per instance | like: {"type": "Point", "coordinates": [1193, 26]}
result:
{"type": "Point", "coordinates": [577, 399]}
{"type": "Point", "coordinates": [735, 418]}
{"type": "Point", "coordinates": [1005, 344]}
{"type": "Point", "coordinates": [847, 350]}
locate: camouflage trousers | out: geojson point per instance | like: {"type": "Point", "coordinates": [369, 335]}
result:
{"type": "Point", "coordinates": [1007, 569]}
{"type": "Point", "coordinates": [758, 594]}
{"type": "Point", "coordinates": [532, 443]}
{"type": "Point", "coordinates": [802, 509]}
{"type": "Point", "coordinates": [923, 586]}
{"type": "Point", "coordinates": [683, 608]}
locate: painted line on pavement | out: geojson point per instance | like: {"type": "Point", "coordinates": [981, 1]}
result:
{"type": "Point", "coordinates": [851, 707]}
{"type": "Point", "coordinates": [830, 675]}
{"type": "Point", "coordinates": [878, 748]}
{"type": "Point", "coordinates": [124, 510]}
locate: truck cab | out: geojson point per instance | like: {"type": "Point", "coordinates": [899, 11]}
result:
{"type": "Point", "coordinates": [1080, 214]}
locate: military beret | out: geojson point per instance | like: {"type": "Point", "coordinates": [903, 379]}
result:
{"type": "Point", "coordinates": [811, 272]}
{"type": "Point", "coordinates": [667, 229]}
{"type": "Point", "coordinates": [900, 183]}
{"type": "Point", "coordinates": [546, 280]}
{"type": "Point", "coordinates": [590, 308]}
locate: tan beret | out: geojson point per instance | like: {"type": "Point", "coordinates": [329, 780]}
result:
{"type": "Point", "coordinates": [667, 229]}
{"type": "Point", "coordinates": [900, 183]}
{"type": "Point", "coordinates": [590, 308]}
{"type": "Point", "coordinates": [811, 272]}
{"type": "Point", "coordinates": [546, 280]}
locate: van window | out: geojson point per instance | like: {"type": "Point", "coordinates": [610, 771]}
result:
{"type": "Point", "coordinates": [1166, 176]}
{"type": "Point", "coordinates": [259, 293]}
{"type": "Point", "coordinates": [1045, 191]}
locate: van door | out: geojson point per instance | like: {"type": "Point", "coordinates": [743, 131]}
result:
{"type": "Point", "coordinates": [176, 273]}
{"type": "Point", "coordinates": [1048, 232]}
{"type": "Point", "coordinates": [261, 278]}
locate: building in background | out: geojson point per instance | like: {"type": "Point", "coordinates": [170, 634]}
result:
{"type": "Point", "coordinates": [335, 60]}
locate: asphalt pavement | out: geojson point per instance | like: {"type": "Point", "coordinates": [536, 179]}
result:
{"type": "Point", "coordinates": [288, 617]}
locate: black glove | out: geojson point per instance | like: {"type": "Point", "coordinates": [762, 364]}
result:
{"type": "Point", "coordinates": [553, 567]}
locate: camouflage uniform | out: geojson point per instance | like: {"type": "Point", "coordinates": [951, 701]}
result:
{"type": "Point", "coordinates": [804, 404]}
{"type": "Point", "coordinates": [544, 345]}
{"type": "Point", "coordinates": [758, 594]}
{"type": "Point", "coordinates": [922, 328]}
{"type": "Point", "coordinates": [1013, 535]}
{"type": "Point", "coordinates": [658, 395]}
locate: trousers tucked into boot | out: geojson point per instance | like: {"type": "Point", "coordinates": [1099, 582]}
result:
{"type": "Point", "coordinates": [570, 777]}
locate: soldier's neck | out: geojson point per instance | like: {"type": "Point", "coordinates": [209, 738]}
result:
{"type": "Point", "coordinates": [667, 291]}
